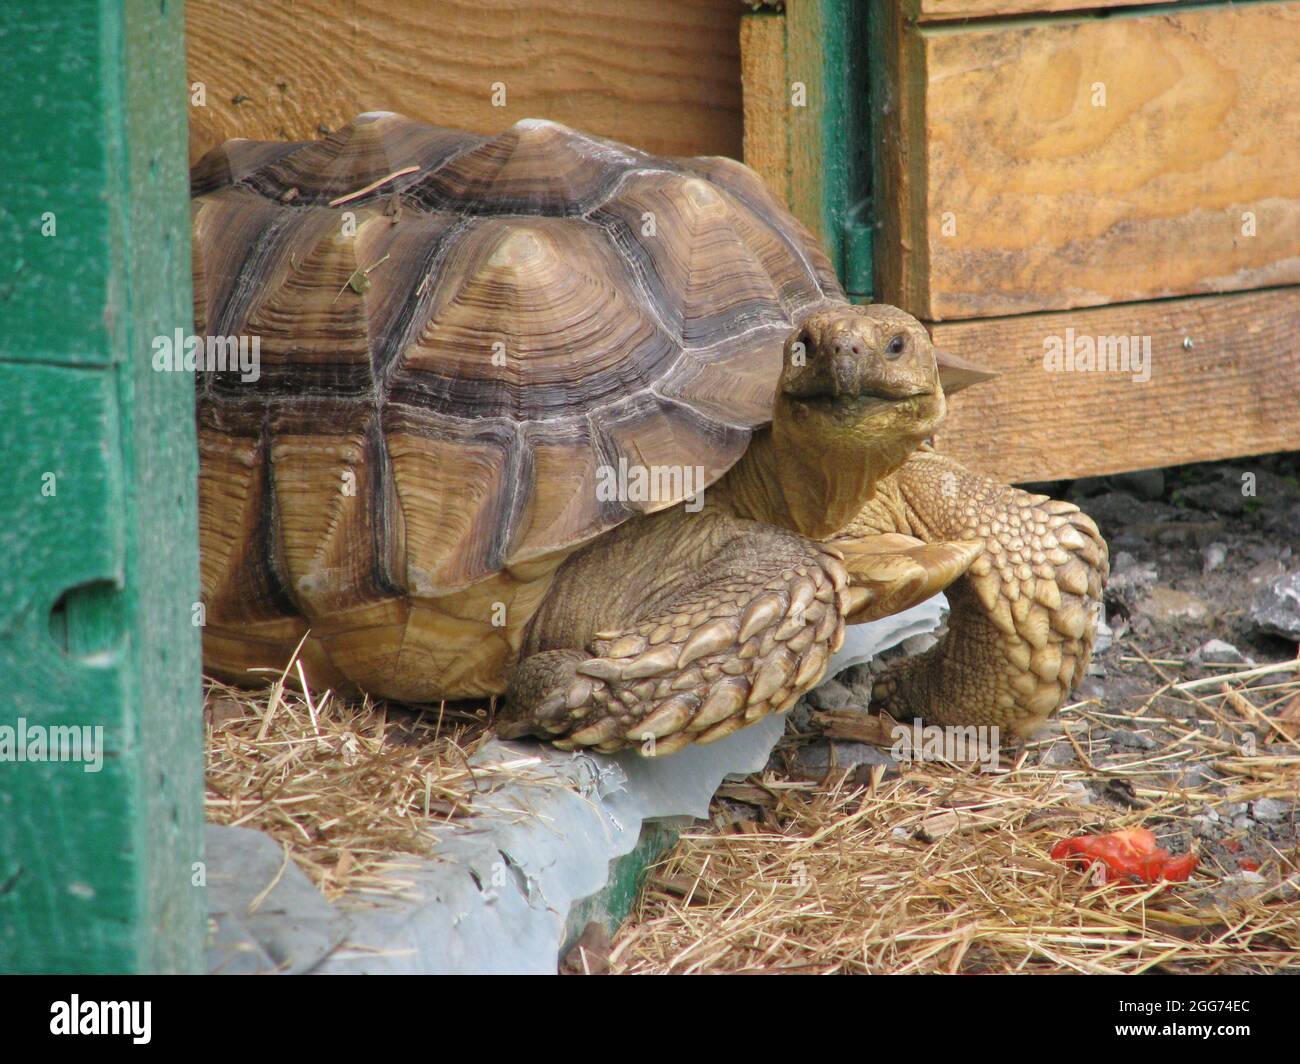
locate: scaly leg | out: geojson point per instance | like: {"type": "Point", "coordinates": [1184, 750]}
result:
{"type": "Point", "coordinates": [715, 643]}
{"type": "Point", "coordinates": [737, 623]}
{"type": "Point", "coordinates": [1022, 621]}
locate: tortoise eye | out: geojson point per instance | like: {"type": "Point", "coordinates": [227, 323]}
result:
{"type": "Point", "coordinates": [896, 346]}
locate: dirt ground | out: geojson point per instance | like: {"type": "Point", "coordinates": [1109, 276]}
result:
{"type": "Point", "coordinates": [1177, 729]}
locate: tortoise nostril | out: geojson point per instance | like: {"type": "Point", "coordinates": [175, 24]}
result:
{"type": "Point", "coordinates": [844, 374]}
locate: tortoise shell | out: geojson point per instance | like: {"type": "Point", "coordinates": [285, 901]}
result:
{"type": "Point", "coordinates": [456, 333]}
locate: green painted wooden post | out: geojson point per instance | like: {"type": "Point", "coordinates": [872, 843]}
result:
{"type": "Point", "coordinates": [829, 149]}
{"type": "Point", "coordinates": [613, 904]}
{"type": "Point", "coordinates": [98, 530]}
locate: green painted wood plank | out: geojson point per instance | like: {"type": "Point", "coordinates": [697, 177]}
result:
{"type": "Point", "coordinates": [829, 138]}
{"type": "Point", "coordinates": [627, 874]}
{"type": "Point", "coordinates": [97, 509]}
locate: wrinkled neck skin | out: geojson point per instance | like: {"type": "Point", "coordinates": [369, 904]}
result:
{"type": "Point", "coordinates": [816, 483]}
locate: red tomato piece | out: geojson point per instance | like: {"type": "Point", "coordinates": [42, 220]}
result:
{"type": "Point", "coordinates": [1130, 856]}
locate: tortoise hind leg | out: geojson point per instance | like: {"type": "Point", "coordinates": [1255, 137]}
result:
{"type": "Point", "coordinates": [739, 636]}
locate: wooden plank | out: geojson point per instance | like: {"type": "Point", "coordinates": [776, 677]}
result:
{"type": "Point", "coordinates": [808, 41]}
{"type": "Point", "coordinates": [766, 100]}
{"type": "Point", "coordinates": [1054, 197]}
{"type": "Point", "coordinates": [1231, 392]}
{"type": "Point", "coordinates": [897, 91]}
{"type": "Point", "coordinates": [613, 903]}
{"type": "Point", "coordinates": [825, 64]}
{"type": "Point", "coordinates": [934, 10]}
{"type": "Point", "coordinates": [663, 75]}
{"type": "Point", "coordinates": [806, 123]}
{"type": "Point", "coordinates": [98, 523]}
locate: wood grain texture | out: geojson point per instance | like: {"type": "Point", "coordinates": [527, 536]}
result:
{"type": "Point", "coordinates": [1233, 392]}
{"type": "Point", "coordinates": [1058, 203]}
{"type": "Point", "coordinates": [766, 96]}
{"type": "Point", "coordinates": [806, 43]}
{"type": "Point", "coordinates": [934, 10]}
{"type": "Point", "coordinates": [663, 75]}
{"type": "Point", "coordinates": [897, 91]}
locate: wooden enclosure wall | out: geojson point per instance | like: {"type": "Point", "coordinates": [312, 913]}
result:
{"type": "Point", "coordinates": [1053, 172]}
{"type": "Point", "coordinates": [1080, 161]}
{"type": "Point", "coordinates": [663, 75]}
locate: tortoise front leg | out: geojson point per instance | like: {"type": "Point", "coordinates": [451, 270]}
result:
{"type": "Point", "coordinates": [1022, 621]}
{"type": "Point", "coordinates": [707, 646]}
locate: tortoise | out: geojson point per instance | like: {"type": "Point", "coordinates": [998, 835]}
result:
{"type": "Point", "coordinates": [544, 416]}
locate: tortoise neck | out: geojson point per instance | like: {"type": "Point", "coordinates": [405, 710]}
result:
{"type": "Point", "coordinates": [815, 488]}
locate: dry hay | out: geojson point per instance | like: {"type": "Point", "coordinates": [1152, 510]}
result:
{"type": "Point", "coordinates": [347, 788]}
{"type": "Point", "coordinates": [946, 869]}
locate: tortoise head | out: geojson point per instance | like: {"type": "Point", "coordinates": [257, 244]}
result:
{"type": "Point", "coordinates": [860, 389]}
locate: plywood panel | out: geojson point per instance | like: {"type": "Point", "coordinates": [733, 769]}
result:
{"type": "Point", "coordinates": [762, 59]}
{"type": "Point", "coordinates": [660, 74]}
{"type": "Point", "coordinates": [1078, 162]}
{"type": "Point", "coordinates": [1223, 376]}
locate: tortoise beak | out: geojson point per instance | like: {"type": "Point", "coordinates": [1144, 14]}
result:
{"type": "Point", "coordinates": [956, 373]}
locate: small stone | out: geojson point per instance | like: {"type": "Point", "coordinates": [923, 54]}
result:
{"type": "Point", "coordinates": [830, 694]}
{"type": "Point", "coordinates": [814, 759]}
{"type": "Point", "coordinates": [1077, 791]}
{"type": "Point", "coordinates": [1148, 484]}
{"type": "Point", "coordinates": [1243, 822]}
{"type": "Point", "coordinates": [1269, 809]}
{"type": "Point", "coordinates": [1240, 886]}
{"type": "Point", "coordinates": [1136, 739]}
{"type": "Point", "coordinates": [935, 827]}
{"type": "Point", "coordinates": [1205, 826]}
{"type": "Point", "coordinates": [1183, 711]}
{"type": "Point", "coordinates": [1129, 577]}
{"type": "Point", "coordinates": [1118, 512]}
{"type": "Point", "coordinates": [1275, 608]}
{"type": "Point", "coordinates": [1167, 606]}
{"type": "Point", "coordinates": [1087, 487]}
{"type": "Point", "coordinates": [1091, 688]}
{"type": "Point", "coordinates": [1056, 755]}
{"type": "Point", "coordinates": [1197, 776]}
{"type": "Point", "coordinates": [1218, 652]}
{"type": "Point", "coordinates": [1212, 556]}
{"type": "Point", "coordinates": [1267, 570]}
{"type": "Point", "coordinates": [1221, 494]}
{"type": "Point", "coordinates": [1103, 637]}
